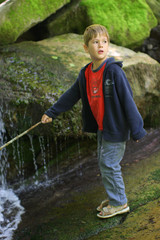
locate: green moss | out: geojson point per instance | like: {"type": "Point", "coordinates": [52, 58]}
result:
{"type": "Point", "coordinates": [22, 15]}
{"type": "Point", "coordinates": [128, 22]}
{"type": "Point", "coordinates": [155, 175]}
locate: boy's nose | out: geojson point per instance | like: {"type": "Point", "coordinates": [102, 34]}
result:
{"type": "Point", "coordinates": [100, 44]}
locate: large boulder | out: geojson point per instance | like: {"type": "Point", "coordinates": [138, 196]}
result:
{"type": "Point", "coordinates": [17, 16]}
{"type": "Point", "coordinates": [128, 22]}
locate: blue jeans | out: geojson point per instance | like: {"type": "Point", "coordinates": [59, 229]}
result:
{"type": "Point", "coordinates": [110, 155]}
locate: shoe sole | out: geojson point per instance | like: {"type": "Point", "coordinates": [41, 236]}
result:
{"type": "Point", "coordinates": [125, 210]}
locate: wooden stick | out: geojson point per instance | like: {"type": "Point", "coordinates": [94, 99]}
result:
{"type": "Point", "coordinates": [20, 135]}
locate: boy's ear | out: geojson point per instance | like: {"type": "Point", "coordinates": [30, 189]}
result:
{"type": "Point", "coordinates": [85, 48]}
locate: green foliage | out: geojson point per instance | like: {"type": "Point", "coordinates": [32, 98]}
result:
{"type": "Point", "coordinates": [128, 22]}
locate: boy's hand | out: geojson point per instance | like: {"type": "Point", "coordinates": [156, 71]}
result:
{"type": "Point", "coordinates": [46, 119]}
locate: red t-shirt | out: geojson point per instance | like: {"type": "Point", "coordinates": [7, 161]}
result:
{"type": "Point", "coordinates": [94, 86]}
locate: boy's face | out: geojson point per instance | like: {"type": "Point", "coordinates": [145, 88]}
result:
{"type": "Point", "coordinates": [97, 47]}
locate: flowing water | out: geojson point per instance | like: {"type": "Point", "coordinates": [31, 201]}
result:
{"type": "Point", "coordinates": [10, 206]}
{"type": "Point", "coordinates": [34, 158]}
{"type": "Point", "coordinates": [10, 213]}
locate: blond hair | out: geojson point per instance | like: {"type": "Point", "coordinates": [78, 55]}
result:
{"type": "Point", "coordinates": [92, 31]}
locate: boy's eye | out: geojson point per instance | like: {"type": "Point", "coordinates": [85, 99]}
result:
{"type": "Point", "coordinates": [96, 41]}
{"type": "Point", "coordinates": [104, 41]}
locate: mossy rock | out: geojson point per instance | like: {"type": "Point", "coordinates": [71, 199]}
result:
{"type": "Point", "coordinates": [128, 22]}
{"type": "Point", "coordinates": [19, 16]}
{"type": "Point", "coordinates": [34, 79]}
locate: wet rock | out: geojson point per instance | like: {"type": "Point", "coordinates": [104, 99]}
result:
{"type": "Point", "coordinates": [68, 210]}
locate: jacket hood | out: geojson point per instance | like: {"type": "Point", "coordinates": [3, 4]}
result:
{"type": "Point", "coordinates": [111, 61]}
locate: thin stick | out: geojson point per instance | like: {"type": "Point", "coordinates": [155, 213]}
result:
{"type": "Point", "coordinates": [20, 135]}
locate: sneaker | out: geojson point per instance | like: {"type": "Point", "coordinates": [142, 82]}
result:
{"type": "Point", "coordinates": [111, 211]}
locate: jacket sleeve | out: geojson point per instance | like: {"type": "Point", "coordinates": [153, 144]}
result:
{"type": "Point", "coordinates": [66, 101]}
{"type": "Point", "coordinates": [131, 112]}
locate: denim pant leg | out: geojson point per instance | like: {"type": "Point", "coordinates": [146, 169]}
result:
{"type": "Point", "coordinates": [110, 155]}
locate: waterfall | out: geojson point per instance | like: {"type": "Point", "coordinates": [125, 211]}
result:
{"type": "Point", "coordinates": [42, 146]}
{"type": "Point", "coordinates": [3, 155]}
{"type": "Point", "coordinates": [10, 207]}
{"type": "Point", "coordinates": [34, 159]}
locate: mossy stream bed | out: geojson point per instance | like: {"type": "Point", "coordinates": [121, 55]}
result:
{"type": "Point", "coordinates": [67, 211]}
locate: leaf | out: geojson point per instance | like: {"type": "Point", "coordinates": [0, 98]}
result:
{"type": "Point", "coordinates": [71, 65]}
{"type": "Point", "coordinates": [55, 57]}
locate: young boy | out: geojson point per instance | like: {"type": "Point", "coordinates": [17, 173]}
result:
{"type": "Point", "coordinates": [108, 110]}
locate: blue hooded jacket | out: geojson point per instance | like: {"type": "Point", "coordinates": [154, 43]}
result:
{"type": "Point", "coordinates": [121, 116]}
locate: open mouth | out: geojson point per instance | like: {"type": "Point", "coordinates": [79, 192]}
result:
{"type": "Point", "coordinates": [100, 51]}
